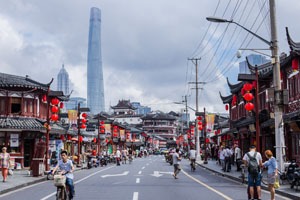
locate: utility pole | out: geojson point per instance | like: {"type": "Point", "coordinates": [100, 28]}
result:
{"type": "Point", "coordinates": [279, 136]}
{"type": "Point", "coordinates": [195, 61]}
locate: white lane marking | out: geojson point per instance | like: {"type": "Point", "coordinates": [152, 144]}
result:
{"type": "Point", "coordinates": [123, 174]}
{"type": "Point", "coordinates": [76, 182]}
{"type": "Point", "coordinates": [140, 172]}
{"type": "Point", "coordinates": [143, 167]}
{"type": "Point", "coordinates": [135, 196]}
{"type": "Point", "coordinates": [137, 180]}
{"type": "Point", "coordinates": [207, 186]}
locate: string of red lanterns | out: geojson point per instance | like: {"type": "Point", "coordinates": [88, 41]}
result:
{"type": "Point", "coordinates": [248, 96]}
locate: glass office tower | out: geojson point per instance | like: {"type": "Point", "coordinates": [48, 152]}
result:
{"type": "Point", "coordinates": [95, 84]}
{"type": "Point", "coordinates": [63, 81]}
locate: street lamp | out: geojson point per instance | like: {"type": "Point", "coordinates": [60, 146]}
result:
{"type": "Point", "coordinates": [278, 108]}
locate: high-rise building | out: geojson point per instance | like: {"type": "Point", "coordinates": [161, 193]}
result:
{"type": "Point", "coordinates": [63, 80]}
{"type": "Point", "coordinates": [95, 84]}
{"type": "Point", "coordinates": [254, 59]}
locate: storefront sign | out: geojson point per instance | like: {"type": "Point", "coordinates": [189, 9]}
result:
{"type": "Point", "coordinates": [14, 140]}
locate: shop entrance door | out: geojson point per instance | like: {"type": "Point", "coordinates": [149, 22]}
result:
{"type": "Point", "coordinates": [28, 151]}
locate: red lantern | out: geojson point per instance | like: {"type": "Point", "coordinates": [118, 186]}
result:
{"type": "Point", "coordinates": [249, 106]}
{"type": "Point", "coordinates": [62, 137]}
{"type": "Point", "coordinates": [44, 98]}
{"type": "Point", "coordinates": [94, 140]}
{"type": "Point", "coordinates": [295, 64]}
{"type": "Point", "coordinates": [226, 107]}
{"type": "Point", "coordinates": [102, 131]}
{"type": "Point", "coordinates": [54, 117]}
{"type": "Point", "coordinates": [248, 86]}
{"type": "Point", "coordinates": [54, 101]}
{"type": "Point", "coordinates": [199, 118]}
{"type": "Point", "coordinates": [102, 122]}
{"type": "Point", "coordinates": [54, 109]}
{"type": "Point", "coordinates": [254, 84]}
{"type": "Point", "coordinates": [200, 123]}
{"type": "Point", "coordinates": [200, 127]}
{"type": "Point", "coordinates": [248, 96]}
{"type": "Point", "coordinates": [61, 105]}
{"type": "Point", "coordinates": [83, 126]}
{"type": "Point", "coordinates": [69, 137]}
{"type": "Point", "coordinates": [206, 140]}
{"type": "Point", "coordinates": [83, 120]}
{"type": "Point", "coordinates": [80, 138]}
{"type": "Point", "coordinates": [84, 115]}
{"type": "Point", "coordinates": [115, 134]}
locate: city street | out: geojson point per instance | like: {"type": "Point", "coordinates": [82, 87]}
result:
{"type": "Point", "coordinates": [143, 179]}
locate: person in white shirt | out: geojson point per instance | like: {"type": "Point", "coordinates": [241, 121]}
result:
{"type": "Point", "coordinates": [193, 158]}
{"type": "Point", "coordinates": [237, 157]}
{"type": "Point", "coordinates": [222, 157]}
{"type": "Point", "coordinates": [118, 156]}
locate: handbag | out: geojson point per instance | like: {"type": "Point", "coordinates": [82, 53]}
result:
{"type": "Point", "coordinates": [276, 184]}
{"type": "Point", "coordinates": [10, 172]}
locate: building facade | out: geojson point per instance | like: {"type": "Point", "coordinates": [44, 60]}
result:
{"type": "Point", "coordinates": [95, 84]}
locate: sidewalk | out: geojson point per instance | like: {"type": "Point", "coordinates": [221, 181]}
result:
{"type": "Point", "coordinates": [284, 190]}
{"type": "Point", "coordinates": [21, 178]}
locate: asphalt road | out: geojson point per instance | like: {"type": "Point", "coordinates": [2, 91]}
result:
{"type": "Point", "coordinates": [144, 179]}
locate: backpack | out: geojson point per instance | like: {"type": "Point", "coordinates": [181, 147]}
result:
{"type": "Point", "coordinates": [253, 167]}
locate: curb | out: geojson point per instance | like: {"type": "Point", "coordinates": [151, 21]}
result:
{"type": "Point", "coordinates": [30, 183]}
{"type": "Point", "coordinates": [238, 179]}
{"type": "Point", "coordinates": [22, 185]}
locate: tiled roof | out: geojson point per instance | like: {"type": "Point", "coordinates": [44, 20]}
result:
{"type": "Point", "coordinates": [124, 104]}
{"type": "Point", "coordinates": [158, 116]}
{"type": "Point", "coordinates": [20, 123]}
{"type": "Point", "coordinates": [294, 46]}
{"type": "Point", "coordinates": [13, 81]}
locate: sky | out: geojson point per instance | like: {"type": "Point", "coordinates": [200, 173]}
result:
{"type": "Point", "coordinates": [145, 45]}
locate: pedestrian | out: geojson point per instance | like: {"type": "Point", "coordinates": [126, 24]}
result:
{"type": "Point", "coordinates": [4, 163]}
{"type": "Point", "coordinates": [176, 163]}
{"type": "Point", "coordinates": [271, 164]}
{"type": "Point", "coordinates": [253, 161]}
{"type": "Point", "coordinates": [227, 153]}
{"type": "Point", "coordinates": [222, 158]}
{"type": "Point", "coordinates": [118, 156]}
{"type": "Point", "coordinates": [237, 157]}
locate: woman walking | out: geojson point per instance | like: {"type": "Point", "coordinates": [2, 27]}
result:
{"type": "Point", "coordinates": [272, 172]}
{"type": "Point", "coordinates": [4, 163]}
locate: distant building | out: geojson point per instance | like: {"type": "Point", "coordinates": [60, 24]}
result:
{"type": "Point", "coordinates": [124, 112]}
{"type": "Point", "coordinates": [63, 81]}
{"type": "Point", "coordinates": [254, 59]}
{"type": "Point", "coordinates": [95, 84]}
{"type": "Point", "coordinates": [141, 110]}
{"type": "Point", "coordinates": [72, 104]}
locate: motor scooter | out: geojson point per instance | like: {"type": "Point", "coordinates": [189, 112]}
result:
{"type": "Point", "coordinates": [92, 162]}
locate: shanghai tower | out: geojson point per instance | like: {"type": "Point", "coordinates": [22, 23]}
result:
{"type": "Point", "coordinates": [95, 84]}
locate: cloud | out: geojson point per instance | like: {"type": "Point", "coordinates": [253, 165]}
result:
{"type": "Point", "coordinates": [145, 46]}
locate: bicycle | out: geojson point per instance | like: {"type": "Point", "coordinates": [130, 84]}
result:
{"type": "Point", "coordinates": [62, 192]}
{"type": "Point", "coordinates": [243, 173]}
{"type": "Point", "coordinates": [193, 165]}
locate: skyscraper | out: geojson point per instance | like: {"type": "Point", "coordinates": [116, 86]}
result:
{"type": "Point", "coordinates": [63, 80]}
{"type": "Point", "coordinates": [95, 85]}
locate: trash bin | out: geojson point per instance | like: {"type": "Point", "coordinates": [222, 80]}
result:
{"type": "Point", "coordinates": [37, 166]}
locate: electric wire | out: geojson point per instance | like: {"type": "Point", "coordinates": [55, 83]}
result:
{"type": "Point", "coordinates": [228, 65]}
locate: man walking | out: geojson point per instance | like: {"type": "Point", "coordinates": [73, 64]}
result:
{"type": "Point", "coordinates": [176, 163]}
{"type": "Point", "coordinates": [253, 161]}
{"type": "Point", "coordinates": [237, 157]}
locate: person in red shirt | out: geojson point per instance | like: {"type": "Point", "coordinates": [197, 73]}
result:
{"type": "Point", "coordinates": [94, 153]}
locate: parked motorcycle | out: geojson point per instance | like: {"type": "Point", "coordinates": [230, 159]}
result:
{"type": "Point", "coordinates": [92, 162]}
{"type": "Point", "coordinates": [103, 161]}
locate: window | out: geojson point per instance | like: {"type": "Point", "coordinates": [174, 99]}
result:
{"type": "Point", "coordinates": [31, 106]}
{"type": "Point", "coordinates": [25, 106]}
{"type": "Point", "coordinates": [15, 105]}
{"type": "Point", "coordinates": [2, 105]}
